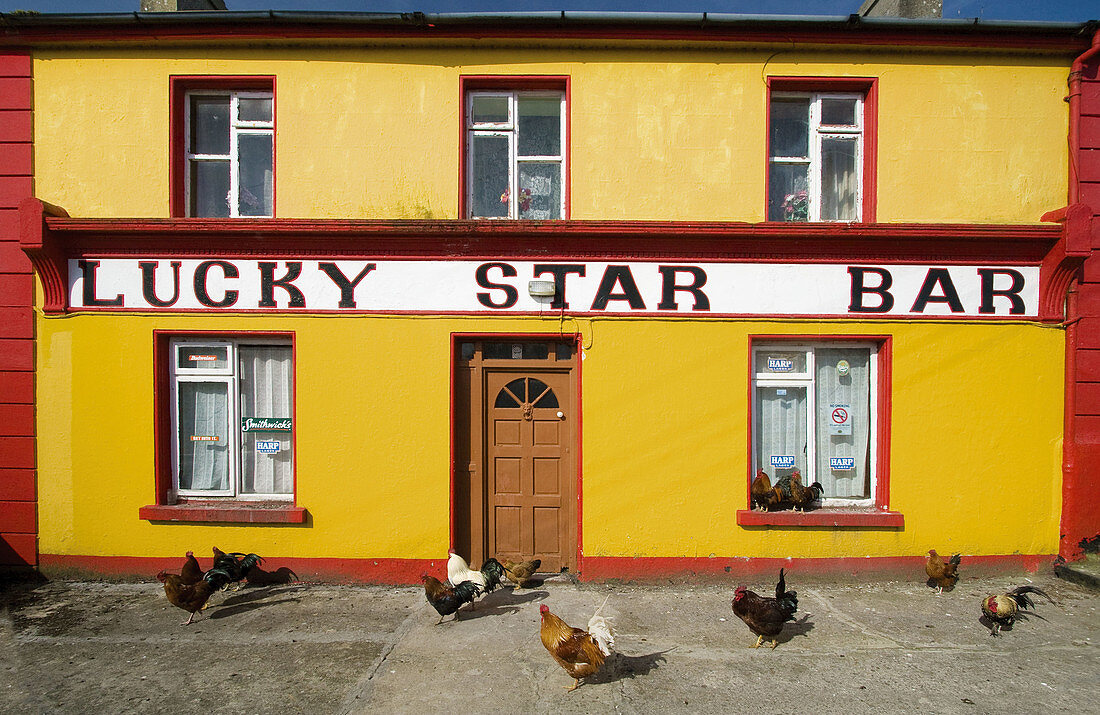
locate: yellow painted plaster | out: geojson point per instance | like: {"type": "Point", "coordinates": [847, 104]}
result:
{"type": "Point", "coordinates": [975, 453]}
{"type": "Point", "coordinates": [660, 133]}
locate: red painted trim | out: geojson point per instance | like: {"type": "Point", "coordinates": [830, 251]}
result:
{"type": "Point", "coordinates": [780, 31]}
{"type": "Point", "coordinates": [18, 550]}
{"type": "Point", "coordinates": [868, 86]}
{"type": "Point", "coordinates": [744, 569]}
{"type": "Point", "coordinates": [516, 83]}
{"type": "Point", "coordinates": [237, 512]}
{"type": "Point", "coordinates": [19, 517]}
{"type": "Point", "coordinates": [162, 426]}
{"type": "Point", "coordinates": [178, 86]}
{"type": "Point", "coordinates": [823, 517]}
{"type": "Point", "coordinates": [1062, 264]}
{"type": "Point", "coordinates": [17, 485]}
{"type": "Point", "coordinates": [828, 517]}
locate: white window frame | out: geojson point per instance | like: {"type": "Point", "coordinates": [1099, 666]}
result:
{"type": "Point", "coordinates": [237, 128]}
{"type": "Point", "coordinates": [510, 130]}
{"type": "Point", "coordinates": [807, 380]}
{"type": "Point", "coordinates": [818, 132]}
{"type": "Point", "coordinates": [229, 376]}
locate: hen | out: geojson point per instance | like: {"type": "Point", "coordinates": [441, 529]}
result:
{"type": "Point", "coordinates": [236, 564]}
{"type": "Point", "coordinates": [760, 493]}
{"type": "Point", "coordinates": [448, 600]}
{"type": "Point", "coordinates": [521, 572]}
{"type": "Point", "coordinates": [944, 575]}
{"type": "Point", "coordinates": [1004, 609]}
{"type": "Point", "coordinates": [802, 497]}
{"type": "Point", "coordinates": [192, 597]}
{"type": "Point", "coordinates": [765, 616]}
{"type": "Point", "coordinates": [581, 653]}
{"type": "Point", "coordinates": [191, 572]}
{"type": "Point", "coordinates": [782, 497]}
{"type": "Point", "coordinates": [487, 579]}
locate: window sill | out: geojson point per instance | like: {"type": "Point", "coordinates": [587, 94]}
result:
{"type": "Point", "coordinates": [867, 518]}
{"type": "Point", "coordinates": [225, 512]}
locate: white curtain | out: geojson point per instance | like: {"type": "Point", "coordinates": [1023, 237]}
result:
{"type": "Point", "coordinates": [265, 384]}
{"type": "Point", "coordinates": [203, 413]}
{"type": "Point", "coordinates": [853, 392]}
{"type": "Point", "coordinates": [781, 428]}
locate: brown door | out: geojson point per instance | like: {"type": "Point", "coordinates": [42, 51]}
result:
{"type": "Point", "coordinates": [516, 458]}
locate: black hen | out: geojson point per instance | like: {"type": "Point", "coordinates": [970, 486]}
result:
{"type": "Point", "coordinates": [235, 564]}
{"type": "Point", "coordinates": [448, 600]}
{"type": "Point", "coordinates": [765, 616]}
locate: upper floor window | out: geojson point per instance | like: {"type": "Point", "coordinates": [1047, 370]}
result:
{"type": "Point", "coordinates": [515, 154]}
{"type": "Point", "coordinates": [820, 151]}
{"type": "Point", "coordinates": [224, 138]}
{"type": "Point", "coordinates": [232, 418]}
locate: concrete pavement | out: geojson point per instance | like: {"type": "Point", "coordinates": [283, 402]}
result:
{"type": "Point", "coordinates": [858, 646]}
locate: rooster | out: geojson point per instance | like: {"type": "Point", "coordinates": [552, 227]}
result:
{"type": "Point", "coordinates": [760, 493]}
{"type": "Point", "coordinates": [581, 653]}
{"type": "Point", "coordinates": [192, 597]}
{"type": "Point", "coordinates": [487, 579]}
{"type": "Point", "coordinates": [765, 616]}
{"type": "Point", "coordinates": [944, 575]}
{"type": "Point", "coordinates": [801, 496]}
{"type": "Point", "coordinates": [191, 572]}
{"type": "Point", "coordinates": [782, 497]}
{"type": "Point", "coordinates": [236, 564]}
{"type": "Point", "coordinates": [448, 600]}
{"type": "Point", "coordinates": [1006, 608]}
{"type": "Point", "coordinates": [519, 573]}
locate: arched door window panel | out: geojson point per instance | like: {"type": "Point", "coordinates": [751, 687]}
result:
{"type": "Point", "coordinates": [526, 391]}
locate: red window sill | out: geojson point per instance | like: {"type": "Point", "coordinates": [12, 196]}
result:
{"type": "Point", "coordinates": [874, 518]}
{"type": "Point", "coordinates": [227, 513]}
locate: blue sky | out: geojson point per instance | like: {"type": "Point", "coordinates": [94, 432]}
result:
{"type": "Point", "coordinates": [1029, 10]}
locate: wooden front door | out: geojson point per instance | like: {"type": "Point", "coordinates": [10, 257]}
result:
{"type": "Point", "coordinates": [521, 471]}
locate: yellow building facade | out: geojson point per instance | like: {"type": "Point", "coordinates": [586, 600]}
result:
{"type": "Point", "coordinates": [597, 387]}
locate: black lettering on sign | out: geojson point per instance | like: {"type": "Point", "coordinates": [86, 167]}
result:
{"type": "Point", "coordinates": [268, 284]}
{"type": "Point", "coordinates": [88, 268]}
{"type": "Point", "coordinates": [669, 287]}
{"type": "Point", "coordinates": [860, 289]}
{"type": "Point", "coordinates": [347, 287]}
{"type": "Point", "coordinates": [937, 277]}
{"type": "Point", "coordinates": [613, 276]}
{"type": "Point", "coordinates": [203, 296]}
{"type": "Point", "coordinates": [511, 295]}
{"type": "Point", "coordinates": [988, 275]}
{"type": "Point", "coordinates": [149, 284]}
{"type": "Point", "coordinates": [559, 271]}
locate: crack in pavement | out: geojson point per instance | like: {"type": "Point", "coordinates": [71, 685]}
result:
{"type": "Point", "coordinates": [359, 696]}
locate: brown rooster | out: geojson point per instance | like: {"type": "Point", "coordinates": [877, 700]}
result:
{"type": "Point", "coordinates": [802, 497]}
{"type": "Point", "coordinates": [192, 597]}
{"type": "Point", "coordinates": [581, 653]}
{"type": "Point", "coordinates": [521, 572]}
{"type": "Point", "coordinates": [1004, 609]}
{"type": "Point", "coordinates": [760, 493]}
{"type": "Point", "coordinates": [944, 575]}
{"type": "Point", "coordinates": [191, 572]}
{"type": "Point", "coordinates": [765, 616]}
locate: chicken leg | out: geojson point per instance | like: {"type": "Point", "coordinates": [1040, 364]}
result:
{"type": "Point", "coordinates": [759, 642]}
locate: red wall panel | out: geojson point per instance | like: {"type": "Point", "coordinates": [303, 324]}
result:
{"type": "Point", "coordinates": [17, 485]}
{"type": "Point", "coordinates": [15, 65]}
{"type": "Point", "coordinates": [16, 387]}
{"type": "Point", "coordinates": [1088, 398]}
{"type": "Point", "coordinates": [12, 258]}
{"type": "Point", "coordinates": [16, 125]}
{"type": "Point", "coordinates": [17, 452]}
{"type": "Point", "coordinates": [13, 189]}
{"type": "Point", "coordinates": [20, 549]}
{"type": "Point", "coordinates": [15, 290]}
{"type": "Point", "coordinates": [17, 322]}
{"type": "Point", "coordinates": [17, 353]}
{"type": "Point", "coordinates": [19, 517]}
{"type": "Point", "coordinates": [17, 420]}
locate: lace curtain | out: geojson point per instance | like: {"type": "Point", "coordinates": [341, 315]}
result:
{"type": "Point", "coordinates": [852, 391]}
{"type": "Point", "coordinates": [265, 385]}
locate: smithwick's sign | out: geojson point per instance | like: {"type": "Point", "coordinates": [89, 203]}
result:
{"type": "Point", "coordinates": [618, 288]}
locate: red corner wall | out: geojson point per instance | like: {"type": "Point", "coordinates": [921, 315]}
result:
{"type": "Point", "coordinates": [18, 514]}
{"type": "Point", "coordinates": [1081, 490]}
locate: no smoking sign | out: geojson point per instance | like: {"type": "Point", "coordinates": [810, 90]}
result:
{"type": "Point", "coordinates": [840, 419]}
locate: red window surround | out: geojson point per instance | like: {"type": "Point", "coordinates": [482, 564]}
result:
{"type": "Point", "coordinates": [178, 87]}
{"type": "Point", "coordinates": [202, 510]}
{"type": "Point", "coordinates": [877, 516]}
{"type": "Point", "coordinates": [469, 83]}
{"type": "Point", "coordinates": [868, 86]}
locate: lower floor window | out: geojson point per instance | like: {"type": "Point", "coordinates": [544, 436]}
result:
{"type": "Point", "coordinates": [232, 418]}
{"type": "Point", "coordinates": [814, 411]}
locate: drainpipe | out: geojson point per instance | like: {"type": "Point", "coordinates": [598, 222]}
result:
{"type": "Point", "coordinates": [1074, 99]}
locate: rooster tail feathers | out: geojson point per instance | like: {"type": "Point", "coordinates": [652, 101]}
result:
{"type": "Point", "coordinates": [599, 627]}
{"type": "Point", "coordinates": [955, 560]}
{"type": "Point", "coordinates": [1019, 595]}
{"type": "Point", "coordinates": [247, 562]}
{"type": "Point", "coordinates": [467, 591]}
{"type": "Point", "coordinates": [781, 587]}
{"type": "Point", "coordinates": [218, 578]}
{"type": "Point", "coordinates": [493, 572]}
